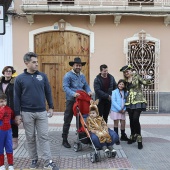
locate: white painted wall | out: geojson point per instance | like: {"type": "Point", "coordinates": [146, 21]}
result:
{"type": "Point", "coordinates": [6, 50]}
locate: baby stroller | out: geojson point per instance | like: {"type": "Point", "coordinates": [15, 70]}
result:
{"type": "Point", "coordinates": [81, 111]}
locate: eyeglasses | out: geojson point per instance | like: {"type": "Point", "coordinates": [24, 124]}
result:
{"type": "Point", "coordinates": [9, 71]}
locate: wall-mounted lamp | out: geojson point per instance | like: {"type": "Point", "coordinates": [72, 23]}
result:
{"type": "Point", "coordinates": [62, 25]}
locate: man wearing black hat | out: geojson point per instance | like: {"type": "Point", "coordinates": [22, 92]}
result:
{"type": "Point", "coordinates": [104, 84]}
{"type": "Point", "coordinates": [73, 80]}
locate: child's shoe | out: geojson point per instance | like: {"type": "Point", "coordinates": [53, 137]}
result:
{"type": "Point", "coordinates": [10, 167]}
{"type": "Point", "coordinates": [2, 167]}
{"type": "Point", "coordinates": [124, 137]}
{"type": "Point", "coordinates": [112, 151]}
{"type": "Point", "coordinates": [106, 151]}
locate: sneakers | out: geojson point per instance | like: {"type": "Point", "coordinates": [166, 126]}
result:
{"type": "Point", "coordinates": [50, 165]}
{"type": "Point", "coordinates": [10, 167]}
{"type": "Point", "coordinates": [112, 151]}
{"type": "Point", "coordinates": [2, 167]}
{"type": "Point", "coordinates": [14, 143]}
{"type": "Point", "coordinates": [106, 151]}
{"type": "Point", "coordinates": [33, 164]}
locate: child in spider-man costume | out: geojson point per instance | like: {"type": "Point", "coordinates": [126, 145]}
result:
{"type": "Point", "coordinates": [6, 115]}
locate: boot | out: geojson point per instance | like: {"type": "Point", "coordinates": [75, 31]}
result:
{"type": "Point", "coordinates": [14, 143]}
{"type": "Point", "coordinates": [139, 140]}
{"type": "Point", "coordinates": [132, 139]}
{"type": "Point", "coordinates": [124, 137]}
{"type": "Point", "coordinates": [66, 144]}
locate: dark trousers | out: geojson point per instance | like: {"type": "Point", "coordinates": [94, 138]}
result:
{"type": "Point", "coordinates": [68, 116]}
{"type": "Point", "coordinates": [14, 130]}
{"type": "Point", "coordinates": [134, 115]}
{"type": "Point", "coordinates": [104, 108]}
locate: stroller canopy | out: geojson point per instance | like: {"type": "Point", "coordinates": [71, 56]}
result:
{"type": "Point", "coordinates": [82, 102]}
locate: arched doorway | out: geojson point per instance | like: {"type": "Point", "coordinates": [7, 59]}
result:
{"type": "Point", "coordinates": [55, 49]}
{"type": "Point", "coordinates": [142, 53]}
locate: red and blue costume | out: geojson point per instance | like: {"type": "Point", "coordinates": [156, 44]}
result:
{"type": "Point", "coordinates": [6, 115]}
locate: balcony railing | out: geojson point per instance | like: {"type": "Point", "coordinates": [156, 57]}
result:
{"type": "Point", "coordinates": [161, 3]}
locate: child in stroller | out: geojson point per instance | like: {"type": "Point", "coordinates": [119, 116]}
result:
{"type": "Point", "coordinates": [101, 136]}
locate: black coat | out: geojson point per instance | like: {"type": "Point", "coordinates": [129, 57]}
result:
{"type": "Point", "coordinates": [98, 87]}
{"type": "Point", "coordinates": [9, 91]}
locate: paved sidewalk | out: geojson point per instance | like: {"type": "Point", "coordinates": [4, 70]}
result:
{"type": "Point", "coordinates": [154, 156]}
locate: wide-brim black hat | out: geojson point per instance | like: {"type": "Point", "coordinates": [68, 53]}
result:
{"type": "Point", "coordinates": [124, 68]}
{"type": "Point", "coordinates": [78, 61]}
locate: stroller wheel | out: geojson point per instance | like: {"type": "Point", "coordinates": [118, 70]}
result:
{"type": "Point", "coordinates": [98, 157]}
{"type": "Point", "coordinates": [92, 157]}
{"type": "Point", "coordinates": [80, 146]}
{"type": "Point", "coordinates": [77, 147]}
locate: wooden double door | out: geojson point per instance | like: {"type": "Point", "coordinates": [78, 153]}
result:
{"type": "Point", "coordinates": [55, 49]}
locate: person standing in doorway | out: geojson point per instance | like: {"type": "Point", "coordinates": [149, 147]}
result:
{"type": "Point", "coordinates": [73, 80]}
{"type": "Point", "coordinates": [7, 87]}
{"type": "Point", "coordinates": [31, 90]}
{"type": "Point", "coordinates": [135, 102]}
{"type": "Point", "coordinates": [104, 84]}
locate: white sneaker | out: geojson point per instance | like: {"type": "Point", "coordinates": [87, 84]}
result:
{"type": "Point", "coordinates": [10, 167]}
{"type": "Point", "coordinates": [2, 167]}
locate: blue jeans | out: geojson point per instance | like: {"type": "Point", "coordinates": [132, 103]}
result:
{"type": "Point", "coordinates": [99, 145]}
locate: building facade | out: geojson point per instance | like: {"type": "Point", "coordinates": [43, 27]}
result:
{"type": "Point", "coordinates": [112, 32]}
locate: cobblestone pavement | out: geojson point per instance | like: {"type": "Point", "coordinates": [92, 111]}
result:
{"type": "Point", "coordinates": [154, 156]}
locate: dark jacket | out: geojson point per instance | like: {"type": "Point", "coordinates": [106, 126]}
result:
{"type": "Point", "coordinates": [9, 91]}
{"type": "Point", "coordinates": [31, 92]}
{"type": "Point", "coordinates": [99, 89]}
